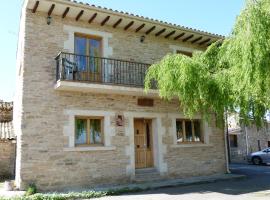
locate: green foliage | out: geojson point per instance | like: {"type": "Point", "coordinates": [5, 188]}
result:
{"type": "Point", "coordinates": [231, 74]}
{"type": "Point", "coordinates": [32, 189]}
{"type": "Point", "coordinates": [75, 195]}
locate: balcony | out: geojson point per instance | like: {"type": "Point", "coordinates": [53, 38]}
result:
{"type": "Point", "coordinates": [101, 75]}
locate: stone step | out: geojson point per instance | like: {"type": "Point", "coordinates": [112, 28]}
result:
{"type": "Point", "coordinates": [147, 175]}
{"type": "Point", "coordinates": [146, 171]}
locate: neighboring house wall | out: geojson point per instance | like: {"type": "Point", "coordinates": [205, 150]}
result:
{"type": "Point", "coordinates": [7, 141]}
{"type": "Point", "coordinates": [46, 153]}
{"type": "Point", "coordinates": [7, 158]}
{"type": "Point", "coordinates": [248, 139]}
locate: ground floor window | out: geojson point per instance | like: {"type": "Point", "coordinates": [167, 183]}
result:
{"type": "Point", "coordinates": [88, 131]}
{"type": "Point", "coordinates": [188, 131]}
{"type": "Point", "coordinates": [233, 141]}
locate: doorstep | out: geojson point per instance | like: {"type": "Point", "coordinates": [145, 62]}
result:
{"type": "Point", "coordinates": [175, 182]}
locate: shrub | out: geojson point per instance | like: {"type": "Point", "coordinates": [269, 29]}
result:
{"type": "Point", "coordinates": [32, 189]}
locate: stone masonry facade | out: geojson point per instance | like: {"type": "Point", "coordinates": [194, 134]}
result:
{"type": "Point", "coordinates": [43, 114]}
{"type": "Point", "coordinates": [249, 139]}
{"type": "Point", "coordinates": [7, 158]}
{"type": "Point", "coordinates": [7, 141]}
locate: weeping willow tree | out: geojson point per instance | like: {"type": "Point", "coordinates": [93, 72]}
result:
{"type": "Point", "coordinates": [233, 74]}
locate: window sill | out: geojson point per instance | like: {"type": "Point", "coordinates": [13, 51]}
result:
{"type": "Point", "coordinates": [191, 145]}
{"type": "Point", "coordinates": [94, 148]}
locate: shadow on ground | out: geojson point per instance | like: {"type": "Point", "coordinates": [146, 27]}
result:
{"type": "Point", "coordinates": [257, 180]}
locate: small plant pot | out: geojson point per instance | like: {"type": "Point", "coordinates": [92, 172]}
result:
{"type": "Point", "coordinates": [8, 186]}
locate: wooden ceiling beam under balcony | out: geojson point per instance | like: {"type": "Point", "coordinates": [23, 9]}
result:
{"type": "Point", "coordinates": [92, 18]}
{"type": "Point", "coordinates": [179, 36]}
{"type": "Point", "coordinates": [65, 12]}
{"type": "Point", "coordinates": [128, 25]}
{"type": "Point", "coordinates": [169, 34]}
{"type": "Point", "coordinates": [51, 9]}
{"type": "Point", "coordinates": [160, 32]}
{"type": "Point", "coordinates": [150, 30]}
{"type": "Point", "coordinates": [204, 41]}
{"type": "Point", "coordinates": [139, 28]}
{"type": "Point", "coordinates": [105, 20]}
{"type": "Point", "coordinates": [117, 23]}
{"type": "Point", "coordinates": [35, 7]}
{"type": "Point", "coordinates": [188, 38]}
{"type": "Point", "coordinates": [196, 40]}
{"type": "Point", "coordinates": [79, 15]}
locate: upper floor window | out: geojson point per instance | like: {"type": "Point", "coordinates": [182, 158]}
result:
{"type": "Point", "coordinates": [87, 57]}
{"type": "Point", "coordinates": [87, 46]}
{"type": "Point", "coordinates": [188, 131]}
{"type": "Point", "coordinates": [189, 54]}
{"type": "Point", "coordinates": [88, 131]}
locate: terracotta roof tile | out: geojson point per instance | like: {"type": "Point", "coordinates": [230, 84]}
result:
{"type": "Point", "coordinates": [6, 131]}
{"type": "Point", "coordinates": [6, 124]}
{"type": "Point", "coordinates": [147, 18]}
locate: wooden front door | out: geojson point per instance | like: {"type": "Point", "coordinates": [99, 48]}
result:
{"type": "Point", "coordinates": [143, 143]}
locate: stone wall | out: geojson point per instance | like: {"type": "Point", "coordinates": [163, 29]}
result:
{"type": "Point", "coordinates": [7, 158]}
{"type": "Point", "coordinates": [247, 139]}
{"type": "Point", "coordinates": [43, 141]}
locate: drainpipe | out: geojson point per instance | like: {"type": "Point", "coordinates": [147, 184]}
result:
{"type": "Point", "coordinates": [226, 143]}
{"type": "Point", "coordinates": [247, 151]}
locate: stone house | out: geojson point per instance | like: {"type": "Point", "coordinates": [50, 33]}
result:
{"type": "Point", "coordinates": [7, 141]}
{"type": "Point", "coordinates": [82, 116]}
{"type": "Point", "coordinates": [246, 139]}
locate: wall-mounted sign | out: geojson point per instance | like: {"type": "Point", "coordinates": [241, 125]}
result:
{"type": "Point", "coordinates": [145, 102]}
{"type": "Point", "coordinates": [119, 120]}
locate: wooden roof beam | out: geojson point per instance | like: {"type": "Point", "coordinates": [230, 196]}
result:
{"type": "Point", "coordinates": [35, 7]}
{"type": "Point", "coordinates": [139, 28]}
{"type": "Point", "coordinates": [188, 38]}
{"type": "Point", "coordinates": [51, 9]}
{"type": "Point", "coordinates": [204, 41]}
{"type": "Point", "coordinates": [169, 34]}
{"type": "Point", "coordinates": [79, 15]}
{"type": "Point", "coordinates": [128, 25]}
{"type": "Point", "coordinates": [117, 23]}
{"type": "Point", "coordinates": [150, 30]}
{"type": "Point", "coordinates": [65, 12]}
{"type": "Point", "coordinates": [196, 40]}
{"type": "Point", "coordinates": [92, 18]}
{"type": "Point", "coordinates": [160, 32]}
{"type": "Point", "coordinates": [179, 36]}
{"type": "Point", "coordinates": [105, 21]}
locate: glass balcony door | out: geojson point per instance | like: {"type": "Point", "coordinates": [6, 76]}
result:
{"type": "Point", "coordinates": [87, 58]}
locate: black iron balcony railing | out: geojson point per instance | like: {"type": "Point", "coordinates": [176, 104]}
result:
{"type": "Point", "coordinates": [73, 67]}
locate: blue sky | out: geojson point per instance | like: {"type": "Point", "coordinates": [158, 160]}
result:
{"type": "Point", "coordinates": [216, 16]}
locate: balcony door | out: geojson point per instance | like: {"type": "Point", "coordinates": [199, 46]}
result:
{"type": "Point", "coordinates": [87, 57]}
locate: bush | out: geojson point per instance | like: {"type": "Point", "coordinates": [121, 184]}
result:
{"type": "Point", "coordinates": [32, 195]}
{"type": "Point", "coordinates": [32, 189]}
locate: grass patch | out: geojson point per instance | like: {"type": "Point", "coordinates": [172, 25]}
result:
{"type": "Point", "coordinates": [1, 184]}
{"type": "Point", "coordinates": [75, 195]}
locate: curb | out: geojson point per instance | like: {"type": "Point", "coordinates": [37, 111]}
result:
{"type": "Point", "coordinates": [175, 182]}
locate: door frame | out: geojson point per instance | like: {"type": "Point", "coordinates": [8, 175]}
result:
{"type": "Point", "coordinates": [159, 149]}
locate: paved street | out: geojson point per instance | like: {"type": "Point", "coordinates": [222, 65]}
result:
{"type": "Point", "coordinates": [255, 186]}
